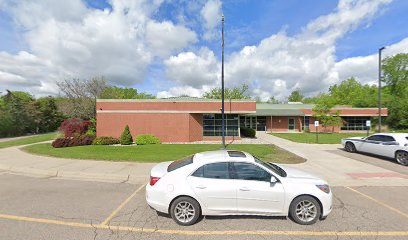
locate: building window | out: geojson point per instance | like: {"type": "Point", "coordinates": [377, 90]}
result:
{"type": "Point", "coordinates": [354, 123]}
{"type": "Point", "coordinates": [212, 124]}
{"type": "Point", "coordinates": [306, 123]}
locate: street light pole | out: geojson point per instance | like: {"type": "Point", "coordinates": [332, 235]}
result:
{"type": "Point", "coordinates": [379, 88]}
{"type": "Point", "coordinates": [222, 87]}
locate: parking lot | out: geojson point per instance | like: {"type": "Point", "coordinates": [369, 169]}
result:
{"type": "Point", "coordinates": [43, 208]}
{"type": "Point", "coordinates": [383, 162]}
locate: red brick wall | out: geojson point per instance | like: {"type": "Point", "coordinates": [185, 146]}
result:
{"type": "Point", "coordinates": [281, 123]}
{"type": "Point", "coordinates": [192, 107]}
{"type": "Point", "coordinates": [167, 127]}
{"type": "Point", "coordinates": [171, 121]}
{"type": "Point", "coordinates": [196, 127]}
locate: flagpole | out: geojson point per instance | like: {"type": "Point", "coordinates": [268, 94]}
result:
{"type": "Point", "coordinates": [222, 87]}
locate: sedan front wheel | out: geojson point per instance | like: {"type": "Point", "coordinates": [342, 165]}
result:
{"type": "Point", "coordinates": [402, 157]}
{"type": "Point", "coordinates": [305, 210]}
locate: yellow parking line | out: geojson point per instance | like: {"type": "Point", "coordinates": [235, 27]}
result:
{"type": "Point", "coordinates": [107, 220]}
{"type": "Point", "coordinates": [379, 202]}
{"type": "Point", "coordinates": [189, 232]}
{"type": "Point", "coordinates": [43, 220]}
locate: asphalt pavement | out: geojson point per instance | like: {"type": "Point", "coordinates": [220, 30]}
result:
{"type": "Point", "coordinates": [383, 162]}
{"type": "Point", "coordinates": [48, 208]}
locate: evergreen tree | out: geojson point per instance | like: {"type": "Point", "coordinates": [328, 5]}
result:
{"type": "Point", "coordinates": [126, 137]}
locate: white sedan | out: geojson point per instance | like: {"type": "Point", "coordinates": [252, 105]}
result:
{"type": "Point", "coordinates": [228, 182]}
{"type": "Point", "coordinates": [391, 145]}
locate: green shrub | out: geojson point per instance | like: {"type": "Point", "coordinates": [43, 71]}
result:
{"type": "Point", "coordinates": [146, 139]}
{"type": "Point", "coordinates": [247, 132]}
{"type": "Point", "coordinates": [126, 137]}
{"type": "Point", "coordinates": [105, 141]}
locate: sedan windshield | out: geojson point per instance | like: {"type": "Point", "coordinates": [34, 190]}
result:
{"type": "Point", "coordinates": [273, 167]}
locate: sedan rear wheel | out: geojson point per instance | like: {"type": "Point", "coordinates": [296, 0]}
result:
{"type": "Point", "coordinates": [350, 147]}
{"type": "Point", "coordinates": [185, 211]}
{"type": "Point", "coordinates": [402, 157]}
{"type": "Point", "coordinates": [305, 210]}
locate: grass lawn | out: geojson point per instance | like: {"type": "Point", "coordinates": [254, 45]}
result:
{"type": "Point", "coordinates": [159, 152]}
{"type": "Point", "coordinates": [324, 138]}
{"type": "Point", "coordinates": [29, 140]}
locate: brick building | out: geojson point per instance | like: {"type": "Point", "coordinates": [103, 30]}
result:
{"type": "Point", "coordinates": [195, 119]}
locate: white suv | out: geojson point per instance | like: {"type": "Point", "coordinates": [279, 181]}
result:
{"type": "Point", "coordinates": [235, 183]}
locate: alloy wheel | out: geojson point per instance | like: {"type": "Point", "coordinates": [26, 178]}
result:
{"type": "Point", "coordinates": [184, 212]}
{"type": "Point", "coordinates": [306, 211]}
{"type": "Point", "coordinates": [402, 157]}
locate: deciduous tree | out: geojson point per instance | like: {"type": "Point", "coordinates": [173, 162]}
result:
{"type": "Point", "coordinates": [81, 95]}
{"type": "Point", "coordinates": [396, 79]}
{"type": "Point", "coordinates": [296, 96]}
{"type": "Point", "coordinates": [229, 93]}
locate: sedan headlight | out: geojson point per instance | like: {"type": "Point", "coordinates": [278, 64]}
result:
{"type": "Point", "coordinates": [325, 188]}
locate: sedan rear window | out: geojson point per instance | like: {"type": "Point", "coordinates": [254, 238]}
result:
{"type": "Point", "coordinates": [213, 170]}
{"type": "Point", "coordinates": [180, 163]}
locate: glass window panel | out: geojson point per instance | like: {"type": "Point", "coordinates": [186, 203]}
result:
{"type": "Point", "coordinates": [212, 124]}
{"type": "Point", "coordinates": [248, 171]}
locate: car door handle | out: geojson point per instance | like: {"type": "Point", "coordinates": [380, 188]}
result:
{"type": "Point", "coordinates": [244, 189]}
{"type": "Point", "coordinates": [201, 187]}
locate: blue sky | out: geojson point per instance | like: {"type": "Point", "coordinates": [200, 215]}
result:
{"type": "Point", "coordinates": [175, 47]}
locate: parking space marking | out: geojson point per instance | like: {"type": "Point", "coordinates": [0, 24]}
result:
{"type": "Point", "coordinates": [43, 220]}
{"type": "Point", "coordinates": [108, 219]}
{"type": "Point", "coordinates": [379, 202]}
{"type": "Point", "coordinates": [191, 232]}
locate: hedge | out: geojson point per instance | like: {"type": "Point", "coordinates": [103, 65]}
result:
{"type": "Point", "coordinates": [247, 132]}
{"type": "Point", "coordinates": [146, 139]}
{"type": "Point", "coordinates": [71, 142]}
{"type": "Point", "coordinates": [105, 141]}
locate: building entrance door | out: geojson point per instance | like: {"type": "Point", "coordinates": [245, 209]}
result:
{"type": "Point", "coordinates": [261, 123]}
{"type": "Point", "coordinates": [291, 124]}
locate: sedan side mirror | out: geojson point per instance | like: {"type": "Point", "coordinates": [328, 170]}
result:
{"type": "Point", "coordinates": [273, 179]}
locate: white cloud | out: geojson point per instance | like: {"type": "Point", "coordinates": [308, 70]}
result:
{"type": "Point", "coordinates": [68, 39]}
{"type": "Point", "coordinates": [77, 41]}
{"type": "Point", "coordinates": [192, 69]}
{"type": "Point", "coordinates": [280, 63]}
{"type": "Point", "coordinates": [27, 72]}
{"type": "Point", "coordinates": [211, 13]}
{"type": "Point", "coordinates": [365, 69]}
{"type": "Point", "coordinates": [164, 37]}
{"type": "Point", "coordinates": [183, 90]}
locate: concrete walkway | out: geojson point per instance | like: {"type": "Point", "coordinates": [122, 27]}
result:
{"type": "Point", "coordinates": [337, 170]}
{"type": "Point", "coordinates": [14, 160]}
{"type": "Point", "coordinates": [14, 138]}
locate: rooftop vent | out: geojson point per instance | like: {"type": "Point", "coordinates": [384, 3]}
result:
{"type": "Point", "coordinates": [236, 154]}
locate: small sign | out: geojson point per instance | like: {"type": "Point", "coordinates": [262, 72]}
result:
{"type": "Point", "coordinates": [316, 123]}
{"type": "Point", "coordinates": [368, 123]}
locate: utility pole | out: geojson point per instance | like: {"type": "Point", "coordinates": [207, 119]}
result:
{"type": "Point", "coordinates": [379, 88]}
{"type": "Point", "coordinates": [222, 87]}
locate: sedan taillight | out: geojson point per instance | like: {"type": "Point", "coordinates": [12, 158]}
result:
{"type": "Point", "coordinates": [325, 188]}
{"type": "Point", "coordinates": [153, 180]}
